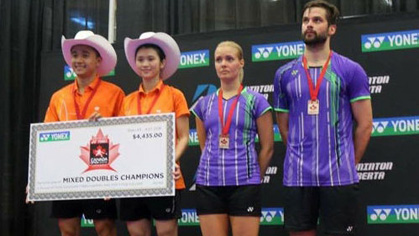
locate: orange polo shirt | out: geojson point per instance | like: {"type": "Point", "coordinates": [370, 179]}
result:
{"type": "Point", "coordinates": [170, 100]}
{"type": "Point", "coordinates": [108, 98]}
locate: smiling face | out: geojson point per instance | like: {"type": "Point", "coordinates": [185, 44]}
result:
{"type": "Point", "coordinates": [84, 61]}
{"type": "Point", "coordinates": [148, 63]}
{"type": "Point", "coordinates": [315, 29]}
{"type": "Point", "coordinates": [228, 62]}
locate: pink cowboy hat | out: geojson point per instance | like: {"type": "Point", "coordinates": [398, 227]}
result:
{"type": "Point", "coordinates": [167, 44]}
{"type": "Point", "coordinates": [86, 37]}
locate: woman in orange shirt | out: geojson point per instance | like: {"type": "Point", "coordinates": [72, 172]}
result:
{"type": "Point", "coordinates": [155, 57]}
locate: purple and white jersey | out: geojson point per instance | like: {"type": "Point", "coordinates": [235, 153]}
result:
{"type": "Point", "coordinates": [237, 165]}
{"type": "Point", "coordinates": [320, 149]}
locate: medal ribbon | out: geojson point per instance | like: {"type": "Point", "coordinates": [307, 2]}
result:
{"type": "Point", "coordinates": [314, 92]}
{"type": "Point", "coordinates": [226, 127]}
{"type": "Point", "coordinates": [81, 115]}
{"type": "Point", "coordinates": [152, 103]}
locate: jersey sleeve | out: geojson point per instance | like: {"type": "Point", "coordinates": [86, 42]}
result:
{"type": "Point", "coordinates": [279, 97]}
{"type": "Point", "coordinates": [261, 105]}
{"type": "Point", "coordinates": [181, 106]}
{"type": "Point", "coordinates": [51, 115]}
{"type": "Point", "coordinates": [196, 109]}
{"type": "Point", "coordinates": [358, 87]}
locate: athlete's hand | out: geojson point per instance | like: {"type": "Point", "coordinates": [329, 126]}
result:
{"type": "Point", "coordinates": [95, 115]}
{"type": "Point", "coordinates": [27, 199]}
{"type": "Point", "coordinates": [177, 173]}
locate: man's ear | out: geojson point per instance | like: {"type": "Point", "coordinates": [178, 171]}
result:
{"type": "Point", "coordinates": [332, 29]}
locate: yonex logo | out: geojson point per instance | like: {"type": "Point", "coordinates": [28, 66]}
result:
{"type": "Point", "coordinates": [349, 229]}
{"type": "Point", "coordinates": [268, 216]}
{"type": "Point", "coordinates": [250, 209]}
{"type": "Point", "coordinates": [189, 217]}
{"type": "Point", "coordinates": [54, 136]}
{"type": "Point", "coordinates": [373, 42]}
{"type": "Point", "coordinates": [263, 52]}
{"type": "Point", "coordinates": [277, 51]}
{"type": "Point", "coordinates": [390, 41]}
{"type": "Point", "coordinates": [395, 126]}
{"type": "Point", "coordinates": [194, 59]}
{"type": "Point", "coordinates": [86, 222]}
{"type": "Point", "coordinates": [69, 73]}
{"type": "Point", "coordinates": [272, 216]}
{"type": "Point", "coordinates": [380, 214]}
{"type": "Point", "coordinates": [193, 139]}
{"type": "Point", "coordinates": [396, 214]}
{"type": "Point", "coordinates": [44, 137]}
{"type": "Point", "coordinates": [379, 127]}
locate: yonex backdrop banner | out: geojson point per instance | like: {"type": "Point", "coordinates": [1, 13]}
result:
{"type": "Point", "coordinates": [387, 48]}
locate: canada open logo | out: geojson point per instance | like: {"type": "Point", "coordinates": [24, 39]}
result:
{"type": "Point", "coordinates": [99, 153]}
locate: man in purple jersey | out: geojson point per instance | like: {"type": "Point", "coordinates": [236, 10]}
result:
{"type": "Point", "coordinates": [316, 99]}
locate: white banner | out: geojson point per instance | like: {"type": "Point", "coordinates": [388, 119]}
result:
{"type": "Point", "coordinates": [131, 156]}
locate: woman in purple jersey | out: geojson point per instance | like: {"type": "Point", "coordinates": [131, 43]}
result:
{"type": "Point", "coordinates": [230, 170]}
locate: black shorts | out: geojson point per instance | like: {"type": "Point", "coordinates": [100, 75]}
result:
{"type": "Point", "coordinates": [96, 209]}
{"type": "Point", "coordinates": [232, 200]}
{"type": "Point", "coordinates": [335, 207]}
{"type": "Point", "coordinates": [159, 208]}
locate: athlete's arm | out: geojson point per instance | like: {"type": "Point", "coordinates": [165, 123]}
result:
{"type": "Point", "coordinates": [282, 121]}
{"type": "Point", "coordinates": [200, 130]}
{"type": "Point", "coordinates": [266, 138]}
{"type": "Point", "coordinates": [362, 112]}
{"type": "Point", "coordinates": [182, 129]}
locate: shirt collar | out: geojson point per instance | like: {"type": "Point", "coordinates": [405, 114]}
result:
{"type": "Point", "coordinates": [89, 87]}
{"type": "Point", "coordinates": [155, 89]}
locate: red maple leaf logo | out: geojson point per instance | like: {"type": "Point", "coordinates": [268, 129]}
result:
{"type": "Point", "coordinates": [99, 151]}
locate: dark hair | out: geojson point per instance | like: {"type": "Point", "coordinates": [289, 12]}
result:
{"type": "Point", "coordinates": [156, 48]}
{"type": "Point", "coordinates": [332, 12]}
{"type": "Point", "coordinates": [94, 49]}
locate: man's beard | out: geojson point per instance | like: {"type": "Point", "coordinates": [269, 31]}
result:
{"type": "Point", "coordinates": [316, 40]}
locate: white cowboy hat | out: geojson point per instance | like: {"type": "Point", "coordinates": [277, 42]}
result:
{"type": "Point", "coordinates": [164, 41]}
{"type": "Point", "coordinates": [104, 48]}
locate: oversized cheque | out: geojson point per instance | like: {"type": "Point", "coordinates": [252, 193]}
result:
{"type": "Point", "coordinates": [116, 157]}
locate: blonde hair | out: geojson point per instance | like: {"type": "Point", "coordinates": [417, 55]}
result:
{"type": "Point", "coordinates": [239, 55]}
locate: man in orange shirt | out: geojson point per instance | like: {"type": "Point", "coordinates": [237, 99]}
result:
{"type": "Point", "coordinates": [91, 56]}
{"type": "Point", "coordinates": [155, 57]}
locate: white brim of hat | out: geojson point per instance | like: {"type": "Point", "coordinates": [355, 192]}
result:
{"type": "Point", "coordinates": [167, 44]}
{"type": "Point", "coordinates": [105, 49]}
